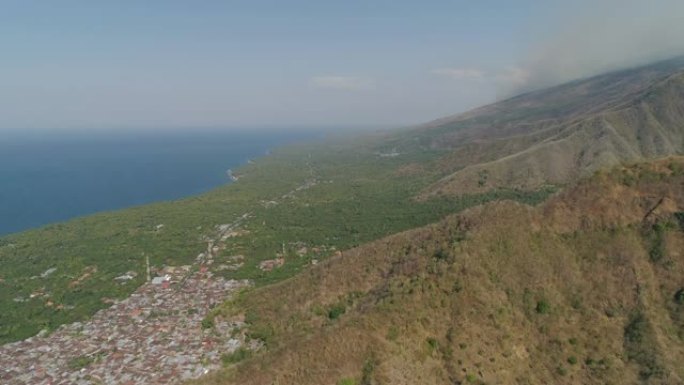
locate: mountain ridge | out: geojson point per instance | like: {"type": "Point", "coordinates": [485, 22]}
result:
{"type": "Point", "coordinates": [652, 71]}
{"type": "Point", "coordinates": [582, 289]}
{"type": "Point", "coordinates": [640, 120]}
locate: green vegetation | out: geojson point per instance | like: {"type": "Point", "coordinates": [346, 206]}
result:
{"type": "Point", "coordinates": [347, 381]}
{"type": "Point", "coordinates": [543, 307]}
{"type": "Point", "coordinates": [635, 329]}
{"type": "Point", "coordinates": [432, 343]}
{"type": "Point", "coordinates": [597, 365]}
{"type": "Point", "coordinates": [679, 296]}
{"type": "Point", "coordinates": [561, 370]}
{"type": "Point", "coordinates": [80, 362]}
{"type": "Point", "coordinates": [640, 346]}
{"type": "Point", "coordinates": [258, 330]}
{"type": "Point", "coordinates": [207, 323]}
{"type": "Point", "coordinates": [368, 369]}
{"type": "Point", "coordinates": [656, 239]}
{"type": "Point", "coordinates": [238, 355]}
{"type": "Point", "coordinates": [679, 216]}
{"type": "Point", "coordinates": [393, 333]}
{"type": "Point", "coordinates": [326, 197]}
{"type": "Point", "coordinates": [336, 311]}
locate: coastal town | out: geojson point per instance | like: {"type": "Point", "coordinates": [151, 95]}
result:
{"type": "Point", "coordinates": [155, 336]}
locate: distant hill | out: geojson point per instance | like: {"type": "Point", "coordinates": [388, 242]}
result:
{"type": "Point", "coordinates": [586, 288]}
{"type": "Point", "coordinates": [557, 135]}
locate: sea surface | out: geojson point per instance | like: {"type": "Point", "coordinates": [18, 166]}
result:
{"type": "Point", "coordinates": [50, 179]}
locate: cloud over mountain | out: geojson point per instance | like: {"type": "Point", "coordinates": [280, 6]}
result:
{"type": "Point", "coordinates": [597, 37]}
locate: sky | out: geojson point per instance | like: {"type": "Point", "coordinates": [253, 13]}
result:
{"type": "Point", "coordinates": [130, 64]}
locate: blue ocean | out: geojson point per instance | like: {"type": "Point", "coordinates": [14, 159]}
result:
{"type": "Point", "coordinates": [50, 179]}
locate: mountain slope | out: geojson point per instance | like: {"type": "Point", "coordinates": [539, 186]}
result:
{"type": "Point", "coordinates": [585, 288]}
{"type": "Point", "coordinates": [560, 134]}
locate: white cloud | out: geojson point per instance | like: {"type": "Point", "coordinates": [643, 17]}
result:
{"type": "Point", "coordinates": [342, 82]}
{"type": "Point", "coordinates": [460, 73]}
{"type": "Point", "coordinates": [512, 77]}
{"type": "Point", "coordinates": [505, 79]}
{"type": "Point", "coordinates": [595, 37]}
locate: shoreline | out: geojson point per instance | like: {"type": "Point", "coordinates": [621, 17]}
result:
{"type": "Point", "coordinates": [221, 179]}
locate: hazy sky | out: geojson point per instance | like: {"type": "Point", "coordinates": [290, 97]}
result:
{"type": "Point", "coordinates": [256, 63]}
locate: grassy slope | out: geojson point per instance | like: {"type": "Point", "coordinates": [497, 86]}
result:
{"type": "Point", "coordinates": [585, 288]}
{"type": "Point", "coordinates": [563, 133]}
{"type": "Point", "coordinates": [359, 197]}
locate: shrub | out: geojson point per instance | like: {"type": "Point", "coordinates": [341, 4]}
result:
{"type": "Point", "coordinates": [656, 250]}
{"type": "Point", "coordinates": [347, 381]}
{"type": "Point", "coordinates": [263, 333]}
{"type": "Point", "coordinates": [676, 168]}
{"type": "Point", "coordinates": [80, 362]}
{"type": "Point", "coordinates": [441, 254]}
{"type": "Point", "coordinates": [543, 307]}
{"type": "Point", "coordinates": [629, 180]}
{"type": "Point", "coordinates": [482, 178]}
{"type": "Point", "coordinates": [393, 333]}
{"type": "Point", "coordinates": [679, 296]}
{"type": "Point", "coordinates": [635, 329]}
{"type": "Point", "coordinates": [450, 335]}
{"type": "Point", "coordinates": [432, 343]}
{"type": "Point", "coordinates": [336, 311]}
{"type": "Point", "coordinates": [679, 216]}
{"type": "Point", "coordinates": [576, 302]}
{"type": "Point", "coordinates": [561, 370]}
{"type": "Point", "coordinates": [207, 323]}
{"type": "Point", "coordinates": [367, 371]}
{"type": "Point", "coordinates": [236, 356]}
{"type": "Point", "coordinates": [572, 360]}
{"type": "Point", "coordinates": [638, 345]}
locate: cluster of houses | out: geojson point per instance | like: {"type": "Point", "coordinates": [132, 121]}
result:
{"type": "Point", "coordinates": [153, 337]}
{"type": "Point", "coordinates": [271, 264]}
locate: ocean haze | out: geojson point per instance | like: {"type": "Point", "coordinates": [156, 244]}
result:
{"type": "Point", "coordinates": [51, 179]}
{"type": "Point", "coordinates": [262, 62]}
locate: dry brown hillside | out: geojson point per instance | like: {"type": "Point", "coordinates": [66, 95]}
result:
{"type": "Point", "coordinates": [558, 135]}
{"type": "Point", "coordinates": [587, 288]}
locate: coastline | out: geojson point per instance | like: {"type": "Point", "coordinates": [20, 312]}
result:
{"type": "Point", "coordinates": [52, 187]}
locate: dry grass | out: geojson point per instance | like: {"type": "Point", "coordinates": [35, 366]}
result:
{"type": "Point", "coordinates": [531, 151]}
{"type": "Point", "coordinates": [564, 293]}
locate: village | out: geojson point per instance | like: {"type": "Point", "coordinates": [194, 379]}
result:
{"type": "Point", "coordinates": [156, 335]}
{"type": "Point", "coordinates": [153, 337]}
